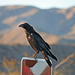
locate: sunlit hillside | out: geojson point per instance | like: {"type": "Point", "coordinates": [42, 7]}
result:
{"type": "Point", "coordinates": [56, 26]}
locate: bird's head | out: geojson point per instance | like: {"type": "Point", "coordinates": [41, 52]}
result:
{"type": "Point", "coordinates": [26, 26]}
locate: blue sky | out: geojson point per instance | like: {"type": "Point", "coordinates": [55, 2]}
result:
{"type": "Point", "coordinates": [43, 4]}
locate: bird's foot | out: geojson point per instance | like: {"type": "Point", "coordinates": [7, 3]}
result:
{"type": "Point", "coordinates": [35, 57]}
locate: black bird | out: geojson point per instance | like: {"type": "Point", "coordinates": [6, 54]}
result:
{"type": "Point", "coordinates": [37, 42]}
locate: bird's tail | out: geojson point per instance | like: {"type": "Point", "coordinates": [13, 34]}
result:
{"type": "Point", "coordinates": [46, 58]}
{"type": "Point", "coordinates": [51, 55]}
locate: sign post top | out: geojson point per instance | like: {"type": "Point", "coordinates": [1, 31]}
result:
{"type": "Point", "coordinates": [35, 67]}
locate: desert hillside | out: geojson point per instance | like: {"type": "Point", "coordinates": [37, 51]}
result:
{"type": "Point", "coordinates": [56, 26]}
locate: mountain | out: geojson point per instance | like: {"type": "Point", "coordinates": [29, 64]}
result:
{"type": "Point", "coordinates": [58, 23]}
{"type": "Point", "coordinates": [56, 26]}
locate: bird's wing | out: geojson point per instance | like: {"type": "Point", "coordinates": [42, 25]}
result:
{"type": "Point", "coordinates": [41, 42]}
{"type": "Point", "coordinates": [43, 45]}
{"type": "Point", "coordinates": [47, 45]}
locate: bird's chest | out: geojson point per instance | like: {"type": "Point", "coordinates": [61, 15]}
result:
{"type": "Point", "coordinates": [30, 38]}
{"type": "Point", "coordinates": [32, 41]}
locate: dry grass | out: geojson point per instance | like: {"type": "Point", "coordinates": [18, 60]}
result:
{"type": "Point", "coordinates": [11, 67]}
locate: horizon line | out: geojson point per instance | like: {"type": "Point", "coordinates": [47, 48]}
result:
{"type": "Point", "coordinates": [38, 7]}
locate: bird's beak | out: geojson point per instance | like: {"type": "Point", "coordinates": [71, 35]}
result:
{"type": "Point", "coordinates": [21, 25]}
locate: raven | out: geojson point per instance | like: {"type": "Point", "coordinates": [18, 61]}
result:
{"type": "Point", "coordinates": [37, 42]}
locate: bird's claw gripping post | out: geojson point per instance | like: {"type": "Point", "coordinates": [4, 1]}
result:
{"type": "Point", "coordinates": [35, 55]}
